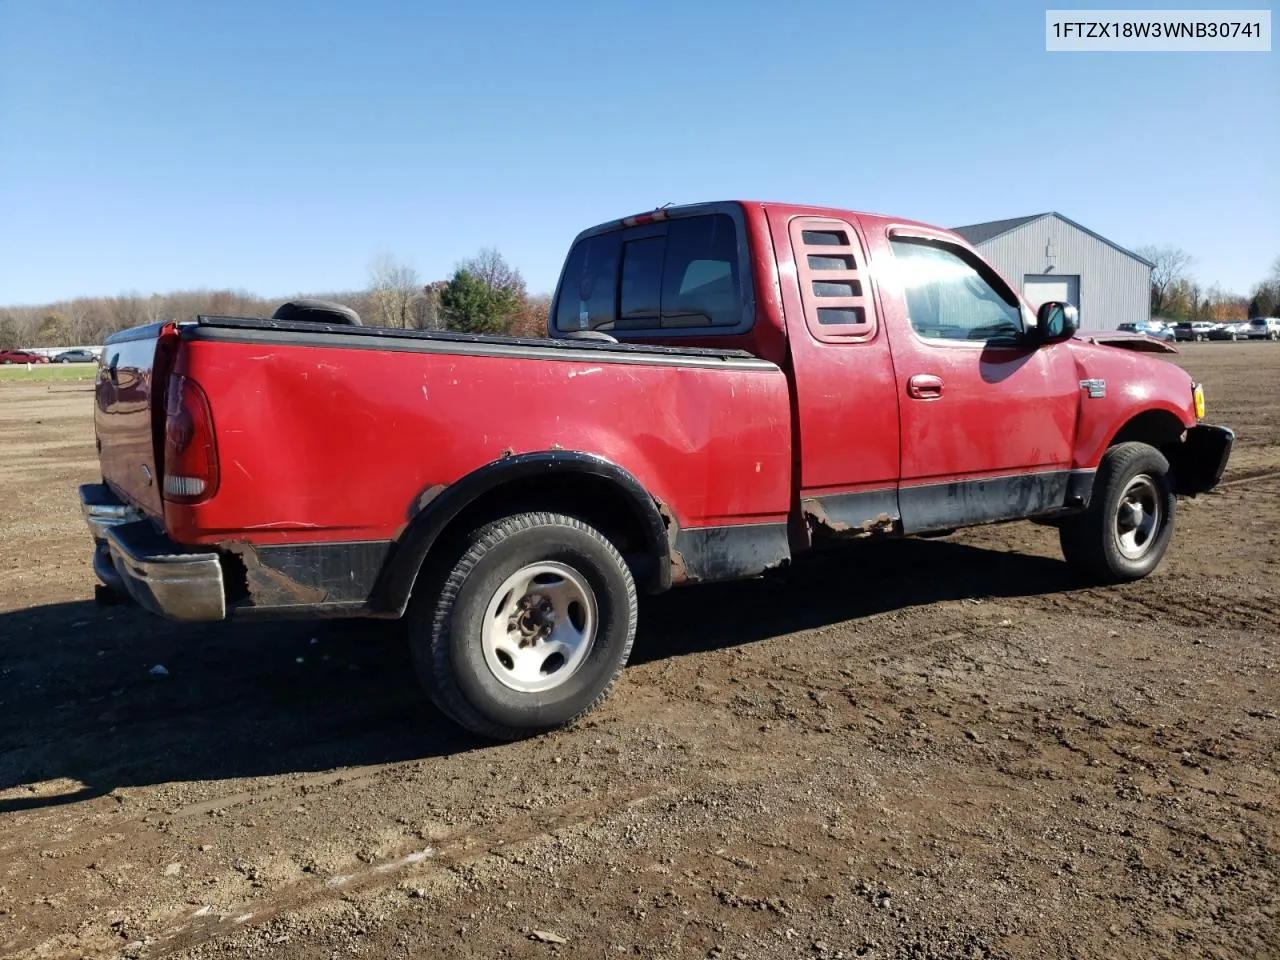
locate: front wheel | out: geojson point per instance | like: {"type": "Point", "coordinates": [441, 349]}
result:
{"type": "Point", "coordinates": [1127, 527]}
{"type": "Point", "coordinates": [531, 628]}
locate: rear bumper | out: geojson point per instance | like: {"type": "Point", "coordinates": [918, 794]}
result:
{"type": "Point", "coordinates": [1199, 462]}
{"type": "Point", "coordinates": [103, 510]}
{"type": "Point", "coordinates": [132, 556]}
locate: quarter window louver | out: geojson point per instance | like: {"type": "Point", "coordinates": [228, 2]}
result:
{"type": "Point", "coordinates": [829, 268]}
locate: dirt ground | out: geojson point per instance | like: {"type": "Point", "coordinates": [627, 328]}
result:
{"type": "Point", "coordinates": [959, 753]}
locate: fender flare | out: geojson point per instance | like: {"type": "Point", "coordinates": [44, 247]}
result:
{"type": "Point", "coordinates": [400, 572]}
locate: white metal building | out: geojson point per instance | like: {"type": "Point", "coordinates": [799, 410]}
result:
{"type": "Point", "coordinates": [1053, 258]}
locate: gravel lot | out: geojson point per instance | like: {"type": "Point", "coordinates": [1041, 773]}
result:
{"type": "Point", "coordinates": [966, 755]}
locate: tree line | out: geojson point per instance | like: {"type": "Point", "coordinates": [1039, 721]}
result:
{"type": "Point", "coordinates": [485, 294]}
{"type": "Point", "coordinates": [1177, 295]}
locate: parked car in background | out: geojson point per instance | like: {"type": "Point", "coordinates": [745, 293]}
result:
{"type": "Point", "coordinates": [1188, 330]}
{"type": "Point", "coordinates": [75, 356]}
{"type": "Point", "coordinates": [1149, 328]}
{"type": "Point", "coordinates": [22, 356]}
{"type": "Point", "coordinates": [1238, 330]}
{"type": "Point", "coordinates": [1264, 328]}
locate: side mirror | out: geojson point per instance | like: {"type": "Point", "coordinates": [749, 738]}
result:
{"type": "Point", "coordinates": [1056, 321]}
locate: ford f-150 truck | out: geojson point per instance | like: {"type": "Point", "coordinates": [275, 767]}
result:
{"type": "Point", "coordinates": [723, 387]}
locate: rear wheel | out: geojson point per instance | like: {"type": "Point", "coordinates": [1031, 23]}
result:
{"type": "Point", "coordinates": [530, 629]}
{"type": "Point", "coordinates": [1127, 527]}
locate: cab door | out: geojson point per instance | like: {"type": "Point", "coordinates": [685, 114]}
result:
{"type": "Point", "coordinates": [845, 395]}
{"type": "Point", "coordinates": [987, 420]}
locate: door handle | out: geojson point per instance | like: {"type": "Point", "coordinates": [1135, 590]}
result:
{"type": "Point", "coordinates": [924, 387]}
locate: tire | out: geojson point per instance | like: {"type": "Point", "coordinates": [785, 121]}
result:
{"type": "Point", "coordinates": [1104, 544]}
{"type": "Point", "coordinates": [493, 665]}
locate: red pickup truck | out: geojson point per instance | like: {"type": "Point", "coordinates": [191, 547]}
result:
{"type": "Point", "coordinates": [723, 387]}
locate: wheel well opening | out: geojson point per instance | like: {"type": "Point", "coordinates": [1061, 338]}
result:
{"type": "Point", "coordinates": [594, 500]}
{"type": "Point", "coordinates": [1156, 428]}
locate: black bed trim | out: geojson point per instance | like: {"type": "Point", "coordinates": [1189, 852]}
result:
{"type": "Point", "coordinates": [284, 333]}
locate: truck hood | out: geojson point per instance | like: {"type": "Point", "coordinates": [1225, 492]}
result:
{"type": "Point", "coordinates": [1126, 340]}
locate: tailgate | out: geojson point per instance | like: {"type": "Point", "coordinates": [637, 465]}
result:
{"type": "Point", "coordinates": [132, 373]}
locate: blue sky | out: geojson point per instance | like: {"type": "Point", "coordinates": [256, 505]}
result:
{"type": "Point", "coordinates": [277, 147]}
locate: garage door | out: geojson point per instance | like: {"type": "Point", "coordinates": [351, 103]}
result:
{"type": "Point", "coordinates": [1062, 287]}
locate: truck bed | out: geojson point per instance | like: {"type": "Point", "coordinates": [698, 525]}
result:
{"type": "Point", "coordinates": [333, 440]}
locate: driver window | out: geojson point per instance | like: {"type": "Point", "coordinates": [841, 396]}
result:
{"type": "Point", "coordinates": [948, 299]}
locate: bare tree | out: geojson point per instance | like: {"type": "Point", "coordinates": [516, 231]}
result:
{"type": "Point", "coordinates": [491, 267]}
{"type": "Point", "coordinates": [76, 313]}
{"type": "Point", "coordinates": [54, 331]}
{"type": "Point", "coordinates": [430, 313]}
{"type": "Point", "coordinates": [393, 291]}
{"type": "Point", "coordinates": [25, 322]}
{"type": "Point", "coordinates": [127, 311]}
{"type": "Point", "coordinates": [531, 320]}
{"type": "Point", "coordinates": [1170, 266]}
{"type": "Point", "coordinates": [10, 338]}
{"type": "Point", "coordinates": [152, 307]}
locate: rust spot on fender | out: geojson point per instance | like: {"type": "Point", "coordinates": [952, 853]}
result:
{"type": "Point", "coordinates": [421, 501]}
{"type": "Point", "coordinates": [268, 587]}
{"type": "Point", "coordinates": [679, 569]}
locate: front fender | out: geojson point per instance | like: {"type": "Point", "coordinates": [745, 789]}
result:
{"type": "Point", "coordinates": [1117, 387]}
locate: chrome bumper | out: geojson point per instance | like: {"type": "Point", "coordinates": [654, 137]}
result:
{"type": "Point", "coordinates": [132, 556]}
{"type": "Point", "coordinates": [102, 509]}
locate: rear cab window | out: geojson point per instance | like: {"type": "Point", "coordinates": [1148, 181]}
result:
{"type": "Point", "coordinates": [683, 274]}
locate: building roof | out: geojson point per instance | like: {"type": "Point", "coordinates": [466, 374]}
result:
{"type": "Point", "coordinates": [977, 233]}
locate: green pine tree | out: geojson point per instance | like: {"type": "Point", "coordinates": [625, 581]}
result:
{"type": "Point", "coordinates": [472, 306]}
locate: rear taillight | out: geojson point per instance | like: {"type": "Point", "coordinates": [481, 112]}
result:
{"type": "Point", "coordinates": [190, 452]}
